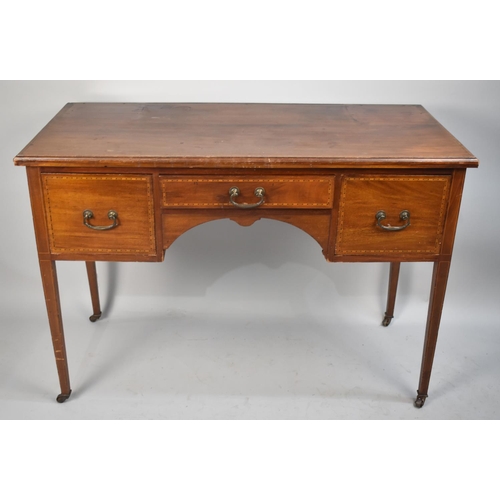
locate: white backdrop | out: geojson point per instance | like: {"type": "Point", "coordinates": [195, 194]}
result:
{"type": "Point", "coordinates": [255, 279]}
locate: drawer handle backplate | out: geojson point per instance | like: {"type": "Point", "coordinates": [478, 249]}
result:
{"type": "Point", "coordinates": [234, 192]}
{"type": "Point", "coordinates": [88, 214]}
{"type": "Point", "coordinates": [404, 216]}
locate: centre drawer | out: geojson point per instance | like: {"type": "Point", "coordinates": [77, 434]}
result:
{"type": "Point", "coordinates": [100, 214]}
{"type": "Point", "coordinates": [247, 192]}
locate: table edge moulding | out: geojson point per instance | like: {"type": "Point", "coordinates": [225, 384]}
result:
{"type": "Point", "coordinates": [123, 181]}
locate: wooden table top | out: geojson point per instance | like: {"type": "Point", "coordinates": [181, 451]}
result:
{"type": "Point", "coordinates": [116, 134]}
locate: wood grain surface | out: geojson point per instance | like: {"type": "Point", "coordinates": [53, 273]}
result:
{"type": "Point", "coordinates": [177, 222]}
{"type": "Point", "coordinates": [131, 196]}
{"type": "Point", "coordinates": [221, 135]}
{"type": "Point", "coordinates": [361, 197]}
{"type": "Point", "coordinates": [280, 191]}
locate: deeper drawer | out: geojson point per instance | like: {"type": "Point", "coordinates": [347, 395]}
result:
{"type": "Point", "coordinates": [67, 197]}
{"type": "Point", "coordinates": [424, 198]}
{"type": "Point", "coordinates": [278, 192]}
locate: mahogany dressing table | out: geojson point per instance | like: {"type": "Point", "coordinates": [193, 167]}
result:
{"type": "Point", "coordinates": [120, 182]}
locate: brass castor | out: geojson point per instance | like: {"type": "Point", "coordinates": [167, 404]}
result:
{"type": "Point", "coordinates": [420, 400]}
{"type": "Point", "coordinates": [95, 317]}
{"type": "Point", "coordinates": [387, 320]}
{"type": "Point", "coordinates": [63, 397]}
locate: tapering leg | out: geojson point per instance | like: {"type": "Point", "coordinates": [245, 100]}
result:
{"type": "Point", "coordinates": [438, 290]}
{"type": "Point", "coordinates": [391, 294]}
{"type": "Point", "coordinates": [94, 291]}
{"type": "Point", "coordinates": [51, 291]}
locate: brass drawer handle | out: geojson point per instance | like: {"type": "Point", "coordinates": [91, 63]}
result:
{"type": "Point", "coordinates": [234, 192]}
{"type": "Point", "coordinates": [88, 214]}
{"type": "Point", "coordinates": [404, 215]}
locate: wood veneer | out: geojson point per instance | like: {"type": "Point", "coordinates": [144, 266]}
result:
{"type": "Point", "coordinates": [166, 168]}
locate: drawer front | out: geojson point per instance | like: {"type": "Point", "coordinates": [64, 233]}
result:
{"type": "Point", "coordinates": [67, 197]}
{"type": "Point", "coordinates": [279, 192]}
{"type": "Point", "coordinates": [424, 198]}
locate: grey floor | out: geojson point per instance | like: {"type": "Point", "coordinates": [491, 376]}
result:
{"type": "Point", "coordinates": [312, 354]}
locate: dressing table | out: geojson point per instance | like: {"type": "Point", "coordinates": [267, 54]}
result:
{"type": "Point", "coordinates": [122, 181]}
